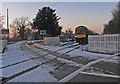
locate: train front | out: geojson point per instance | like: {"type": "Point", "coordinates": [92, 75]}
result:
{"type": "Point", "coordinates": [81, 35]}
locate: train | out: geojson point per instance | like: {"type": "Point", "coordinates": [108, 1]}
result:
{"type": "Point", "coordinates": [81, 34]}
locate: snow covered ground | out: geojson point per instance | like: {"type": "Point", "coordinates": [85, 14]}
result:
{"type": "Point", "coordinates": [13, 57]}
{"type": "Point", "coordinates": [79, 52]}
{"type": "Point", "coordinates": [92, 55]}
{"type": "Point", "coordinates": [15, 60]}
{"type": "Point", "coordinates": [9, 71]}
{"type": "Point", "coordinates": [41, 74]}
{"type": "Point", "coordinates": [54, 48]}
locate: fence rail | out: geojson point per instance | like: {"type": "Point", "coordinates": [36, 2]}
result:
{"type": "Point", "coordinates": [108, 43]}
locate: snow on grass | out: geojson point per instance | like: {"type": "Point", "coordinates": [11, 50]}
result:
{"type": "Point", "coordinates": [66, 43]}
{"type": "Point", "coordinates": [49, 56]}
{"type": "Point", "coordinates": [13, 50]}
{"type": "Point", "coordinates": [9, 71]}
{"type": "Point", "coordinates": [14, 54]}
{"type": "Point", "coordinates": [67, 49]}
{"type": "Point", "coordinates": [13, 47]}
{"type": "Point", "coordinates": [41, 52]}
{"type": "Point", "coordinates": [92, 69]}
{"type": "Point", "coordinates": [11, 55]}
{"type": "Point", "coordinates": [70, 62]}
{"type": "Point", "coordinates": [100, 75]}
{"type": "Point", "coordinates": [41, 74]}
{"type": "Point", "coordinates": [90, 55]}
{"type": "Point", "coordinates": [113, 60]}
{"type": "Point", "coordinates": [9, 61]}
{"type": "Point", "coordinates": [53, 48]}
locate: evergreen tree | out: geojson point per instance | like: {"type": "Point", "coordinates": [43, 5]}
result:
{"type": "Point", "coordinates": [46, 19]}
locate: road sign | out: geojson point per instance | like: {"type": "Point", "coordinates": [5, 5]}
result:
{"type": "Point", "coordinates": [42, 32]}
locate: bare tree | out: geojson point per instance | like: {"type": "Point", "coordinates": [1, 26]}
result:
{"type": "Point", "coordinates": [113, 25]}
{"type": "Point", "coordinates": [1, 24]}
{"type": "Point", "coordinates": [21, 24]}
{"type": "Point", "coordinates": [13, 30]}
{"type": "Point", "coordinates": [1, 21]}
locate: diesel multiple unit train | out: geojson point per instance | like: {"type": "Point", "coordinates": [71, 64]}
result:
{"type": "Point", "coordinates": [81, 34]}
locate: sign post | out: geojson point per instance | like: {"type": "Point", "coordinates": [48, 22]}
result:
{"type": "Point", "coordinates": [43, 33]}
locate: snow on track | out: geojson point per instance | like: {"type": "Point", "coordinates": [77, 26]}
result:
{"type": "Point", "coordinates": [15, 54]}
{"type": "Point", "coordinates": [13, 60]}
{"type": "Point", "coordinates": [55, 48]}
{"type": "Point", "coordinates": [78, 52]}
{"type": "Point", "coordinates": [9, 71]}
{"type": "Point", "coordinates": [41, 74]}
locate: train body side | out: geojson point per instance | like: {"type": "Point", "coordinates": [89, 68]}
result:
{"type": "Point", "coordinates": [81, 34]}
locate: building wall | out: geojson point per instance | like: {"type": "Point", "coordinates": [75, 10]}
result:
{"type": "Point", "coordinates": [109, 43]}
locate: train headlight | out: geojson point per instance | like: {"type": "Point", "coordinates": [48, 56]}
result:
{"type": "Point", "coordinates": [75, 36]}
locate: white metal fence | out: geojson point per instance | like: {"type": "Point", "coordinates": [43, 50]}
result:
{"type": "Point", "coordinates": [108, 43]}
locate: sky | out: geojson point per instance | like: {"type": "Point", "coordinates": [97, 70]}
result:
{"type": "Point", "coordinates": [93, 15]}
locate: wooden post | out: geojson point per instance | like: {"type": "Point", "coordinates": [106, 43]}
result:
{"type": "Point", "coordinates": [8, 25]}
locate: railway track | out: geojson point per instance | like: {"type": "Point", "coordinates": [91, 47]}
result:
{"type": "Point", "coordinates": [22, 48]}
{"type": "Point", "coordinates": [85, 61]}
{"type": "Point", "coordinates": [72, 44]}
{"type": "Point", "coordinates": [15, 75]}
{"type": "Point", "coordinates": [59, 62]}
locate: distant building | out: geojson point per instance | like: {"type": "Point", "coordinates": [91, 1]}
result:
{"type": "Point", "coordinates": [109, 43]}
{"type": "Point", "coordinates": [67, 36]}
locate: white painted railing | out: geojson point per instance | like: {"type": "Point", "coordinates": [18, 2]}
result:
{"type": "Point", "coordinates": [109, 43]}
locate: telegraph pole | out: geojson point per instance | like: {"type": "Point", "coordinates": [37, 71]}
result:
{"type": "Point", "coordinates": [7, 25]}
